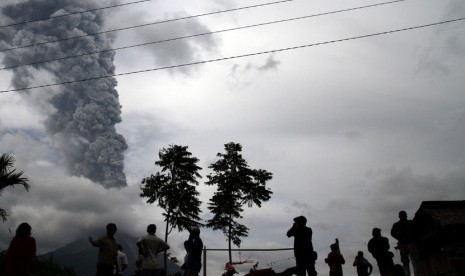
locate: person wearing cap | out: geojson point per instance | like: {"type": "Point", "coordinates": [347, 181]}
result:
{"type": "Point", "coordinates": [303, 247]}
{"type": "Point", "coordinates": [194, 247]}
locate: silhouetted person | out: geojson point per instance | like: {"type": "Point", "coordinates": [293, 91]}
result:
{"type": "Point", "coordinates": [194, 248]}
{"type": "Point", "coordinates": [108, 251]}
{"type": "Point", "coordinates": [404, 231]}
{"type": "Point", "coordinates": [303, 247]}
{"type": "Point", "coordinates": [150, 245]}
{"type": "Point", "coordinates": [364, 268]}
{"type": "Point", "coordinates": [378, 246]}
{"type": "Point", "coordinates": [122, 262]}
{"type": "Point", "coordinates": [21, 252]}
{"type": "Point", "coordinates": [335, 260]}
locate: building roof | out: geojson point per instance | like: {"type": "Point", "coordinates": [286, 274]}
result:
{"type": "Point", "coordinates": [444, 212]}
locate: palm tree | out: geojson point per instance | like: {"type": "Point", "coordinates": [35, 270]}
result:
{"type": "Point", "coordinates": [10, 177]}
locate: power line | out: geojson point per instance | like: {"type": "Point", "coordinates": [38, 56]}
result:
{"type": "Point", "coordinates": [235, 57]}
{"type": "Point", "coordinates": [72, 13]}
{"type": "Point", "coordinates": [206, 33]}
{"type": "Point", "coordinates": [143, 25]}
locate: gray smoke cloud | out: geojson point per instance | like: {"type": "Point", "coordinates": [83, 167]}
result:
{"type": "Point", "coordinates": [80, 117]}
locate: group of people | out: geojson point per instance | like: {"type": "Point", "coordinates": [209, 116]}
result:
{"type": "Point", "coordinates": [112, 261]}
{"type": "Point", "coordinates": [403, 231]}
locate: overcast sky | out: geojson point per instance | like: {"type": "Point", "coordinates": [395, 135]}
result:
{"type": "Point", "coordinates": [352, 131]}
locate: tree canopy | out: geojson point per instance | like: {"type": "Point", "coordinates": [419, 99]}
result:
{"type": "Point", "coordinates": [237, 184]}
{"type": "Point", "coordinates": [174, 187]}
{"type": "Point", "coordinates": [10, 177]}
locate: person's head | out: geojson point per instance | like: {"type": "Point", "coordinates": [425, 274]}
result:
{"type": "Point", "coordinates": [111, 229]}
{"type": "Point", "coordinates": [403, 215]}
{"type": "Point", "coordinates": [301, 220]}
{"type": "Point", "coordinates": [151, 229]}
{"type": "Point", "coordinates": [360, 253]}
{"type": "Point", "coordinates": [194, 232]}
{"type": "Point", "coordinates": [120, 247]}
{"type": "Point", "coordinates": [23, 230]}
{"type": "Point", "coordinates": [333, 247]}
{"type": "Point", "coordinates": [376, 232]}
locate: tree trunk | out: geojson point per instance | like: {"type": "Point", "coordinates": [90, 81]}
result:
{"type": "Point", "coordinates": [166, 241]}
{"type": "Point", "coordinates": [229, 240]}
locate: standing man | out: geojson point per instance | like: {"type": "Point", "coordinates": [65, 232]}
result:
{"type": "Point", "coordinates": [364, 268]}
{"type": "Point", "coordinates": [194, 249]}
{"type": "Point", "coordinates": [404, 231]}
{"type": "Point", "coordinates": [108, 251]}
{"type": "Point", "coordinates": [150, 245]}
{"type": "Point", "coordinates": [303, 247]}
{"type": "Point", "coordinates": [378, 246]}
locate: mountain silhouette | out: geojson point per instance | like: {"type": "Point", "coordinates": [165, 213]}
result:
{"type": "Point", "coordinates": [82, 256]}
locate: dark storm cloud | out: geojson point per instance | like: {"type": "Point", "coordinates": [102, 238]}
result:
{"type": "Point", "coordinates": [175, 52]}
{"type": "Point", "coordinates": [393, 189]}
{"type": "Point", "coordinates": [83, 115]}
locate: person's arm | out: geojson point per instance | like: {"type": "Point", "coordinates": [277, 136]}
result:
{"type": "Point", "coordinates": [356, 261]}
{"type": "Point", "coordinates": [370, 268]}
{"type": "Point", "coordinates": [395, 231]}
{"type": "Point", "coordinates": [291, 231]}
{"type": "Point", "coordinates": [95, 243]}
{"type": "Point", "coordinates": [164, 247]}
{"type": "Point", "coordinates": [386, 244]}
{"type": "Point", "coordinates": [343, 261]}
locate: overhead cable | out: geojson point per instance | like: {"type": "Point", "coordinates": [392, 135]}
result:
{"type": "Point", "coordinates": [72, 13]}
{"type": "Point", "coordinates": [234, 57]}
{"type": "Point", "coordinates": [143, 25]}
{"type": "Point", "coordinates": [203, 34]}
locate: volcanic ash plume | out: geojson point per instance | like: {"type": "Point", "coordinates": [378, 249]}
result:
{"type": "Point", "coordinates": [81, 117]}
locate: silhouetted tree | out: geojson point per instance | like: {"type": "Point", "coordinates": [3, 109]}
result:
{"type": "Point", "coordinates": [175, 188]}
{"type": "Point", "coordinates": [10, 177]}
{"type": "Point", "coordinates": [237, 185]}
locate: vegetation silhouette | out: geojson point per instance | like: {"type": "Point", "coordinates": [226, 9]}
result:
{"type": "Point", "coordinates": [9, 177]}
{"type": "Point", "coordinates": [237, 185]}
{"type": "Point", "coordinates": [174, 188]}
